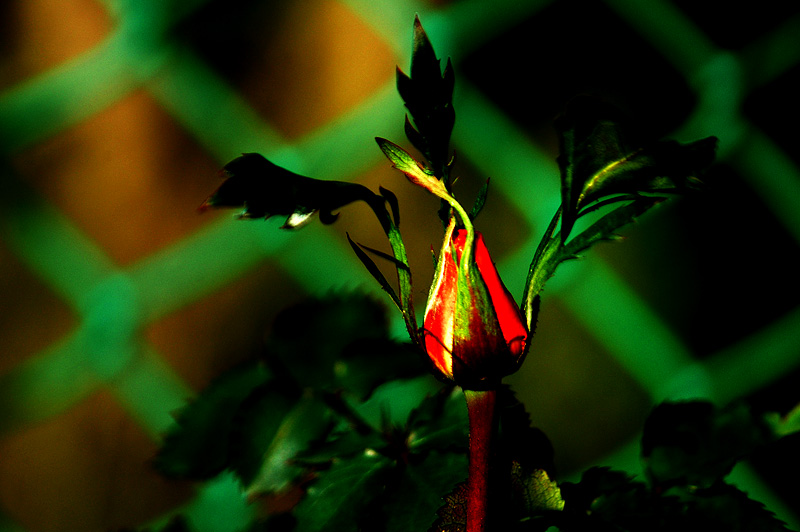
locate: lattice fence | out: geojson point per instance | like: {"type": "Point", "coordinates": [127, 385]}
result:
{"type": "Point", "coordinates": [120, 302]}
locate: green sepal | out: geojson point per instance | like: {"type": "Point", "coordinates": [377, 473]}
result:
{"type": "Point", "coordinates": [414, 171]}
{"type": "Point", "coordinates": [480, 201]}
{"type": "Point", "coordinates": [391, 199]}
{"type": "Point", "coordinates": [373, 269]}
{"type": "Point", "coordinates": [552, 249]}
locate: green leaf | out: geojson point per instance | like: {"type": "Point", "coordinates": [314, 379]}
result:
{"type": "Point", "coordinates": [393, 403]}
{"type": "Point", "coordinates": [440, 422]}
{"type": "Point", "coordinates": [264, 189]}
{"type": "Point", "coordinates": [452, 515]}
{"type": "Point", "coordinates": [605, 228]}
{"type": "Point", "coordinates": [255, 426]}
{"type": "Point", "coordinates": [198, 446]}
{"type": "Point", "coordinates": [537, 492]}
{"type": "Point", "coordinates": [412, 505]}
{"type": "Point", "coordinates": [597, 160]}
{"type": "Point", "coordinates": [299, 426]}
{"type": "Point", "coordinates": [339, 496]}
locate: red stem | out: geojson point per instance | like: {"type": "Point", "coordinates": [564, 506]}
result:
{"type": "Point", "coordinates": [480, 407]}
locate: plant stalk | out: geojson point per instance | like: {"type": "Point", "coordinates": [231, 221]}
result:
{"type": "Point", "coordinates": [481, 411]}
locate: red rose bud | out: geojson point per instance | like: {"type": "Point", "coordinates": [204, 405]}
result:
{"type": "Point", "coordinates": [473, 332]}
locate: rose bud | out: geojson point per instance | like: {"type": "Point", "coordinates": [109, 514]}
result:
{"type": "Point", "coordinates": [474, 332]}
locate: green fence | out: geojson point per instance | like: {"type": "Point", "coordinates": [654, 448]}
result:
{"type": "Point", "coordinates": [732, 328]}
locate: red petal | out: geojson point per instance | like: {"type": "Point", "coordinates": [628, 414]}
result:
{"type": "Point", "coordinates": [512, 323]}
{"type": "Point", "coordinates": [440, 312]}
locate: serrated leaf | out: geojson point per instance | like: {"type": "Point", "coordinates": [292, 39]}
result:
{"type": "Point", "coordinates": [725, 507]}
{"type": "Point", "coordinates": [605, 228]}
{"type": "Point", "coordinates": [428, 95]}
{"type": "Point", "coordinates": [299, 426]}
{"type": "Point", "coordinates": [412, 505]}
{"type": "Point", "coordinates": [256, 424]}
{"type": "Point", "coordinates": [264, 189]}
{"type": "Point", "coordinates": [696, 444]}
{"type": "Point", "coordinates": [392, 404]}
{"type": "Point", "coordinates": [197, 447]}
{"type": "Point", "coordinates": [537, 491]}
{"type": "Point", "coordinates": [597, 160]}
{"type": "Point", "coordinates": [339, 495]}
{"type": "Point", "coordinates": [452, 515]}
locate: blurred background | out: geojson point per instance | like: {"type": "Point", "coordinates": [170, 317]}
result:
{"type": "Point", "coordinates": [120, 302]}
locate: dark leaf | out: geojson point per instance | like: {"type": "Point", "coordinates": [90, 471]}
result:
{"type": "Point", "coordinates": [725, 507]}
{"type": "Point", "coordinates": [608, 500]}
{"type": "Point", "coordinates": [412, 505]}
{"type": "Point", "coordinates": [440, 422]}
{"type": "Point", "coordinates": [255, 425]}
{"type": "Point", "coordinates": [428, 95]}
{"type": "Point", "coordinates": [605, 228]}
{"type": "Point", "coordinates": [553, 250]}
{"type": "Point", "coordinates": [518, 441]}
{"type": "Point", "coordinates": [597, 160]}
{"type": "Point", "coordinates": [452, 515]}
{"type": "Point", "coordinates": [337, 499]}
{"type": "Point", "coordinates": [310, 339]}
{"type": "Point", "coordinates": [271, 436]}
{"type": "Point", "coordinates": [358, 373]}
{"type": "Point", "coordinates": [197, 447]}
{"type": "Point", "coordinates": [696, 444]}
{"type": "Point", "coordinates": [392, 404]}
{"type": "Point", "coordinates": [264, 189]}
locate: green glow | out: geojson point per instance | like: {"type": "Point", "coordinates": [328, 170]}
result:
{"type": "Point", "coordinates": [45, 385]}
{"type": "Point", "coordinates": [611, 310]}
{"type": "Point", "coordinates": [57, 251]}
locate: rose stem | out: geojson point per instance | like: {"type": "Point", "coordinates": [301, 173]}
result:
{"type": "Point", "coordinates": [480, 408]}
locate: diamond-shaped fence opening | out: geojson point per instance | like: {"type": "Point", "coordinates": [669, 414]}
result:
{"type": "Point", "coordinates": [120, 302]}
